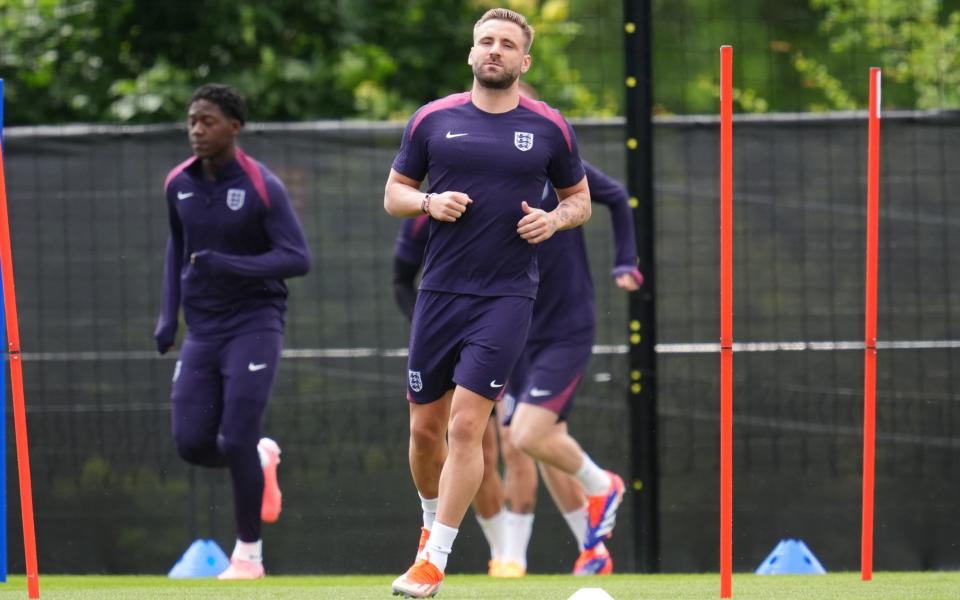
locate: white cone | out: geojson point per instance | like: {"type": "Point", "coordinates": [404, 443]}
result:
{"type": "Point", "coordinates": [590, 594]}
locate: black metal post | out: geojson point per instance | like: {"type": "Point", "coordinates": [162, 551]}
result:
{"type": "Point", "coordinates": [642, 393]}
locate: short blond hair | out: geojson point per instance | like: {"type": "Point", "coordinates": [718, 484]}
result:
{"type": "Point", "coordinates": [505, 14]}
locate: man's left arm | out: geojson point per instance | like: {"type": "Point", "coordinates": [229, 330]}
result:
{"type": "Point", "coordinates": [288, 255]}
{"type": "Point", "coordinates": [573, 208]}
{"type": "Point", "coordinates": [538, 225]}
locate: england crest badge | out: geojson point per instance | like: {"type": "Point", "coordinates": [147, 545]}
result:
{"type": "Point", "coordinates": [416, 383]}
{"type": "Point", "coordinates": [235, 198]}
{"type": "Point", "coordinates": [523, 140]}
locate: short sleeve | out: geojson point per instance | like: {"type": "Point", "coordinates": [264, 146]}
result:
{"type": "Point", "coordinates": [411, 160]}
{"type": "Point", "coordinates": [565, 168]}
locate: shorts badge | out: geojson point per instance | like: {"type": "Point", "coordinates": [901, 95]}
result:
{"type": "Point", "coordinates": [416, 383]}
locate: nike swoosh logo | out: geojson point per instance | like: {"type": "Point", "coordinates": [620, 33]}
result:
{"type": "Point", "coordinates": [255, 367]}
{"type": "Point", "coordinates": [494, 384]}
{"type": "Point", "coordinates": [538, 393]}
{"type": "Point", "coordinates": [183, 195]}
{"type": "Point", "coordinates": [451, 135]}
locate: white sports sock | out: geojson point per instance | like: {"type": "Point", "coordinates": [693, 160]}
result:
{"type": "Point", "coordinates": [577, 521]}
{"type": "Point", "coordinates": [429, 506]}
{"type": "Point", "coordinates": [519, 527]}
{"type": "Point", "coordinates": [252, 551]}
{"type": "Point", "coordinates": [493, 529]}
{"type": "Point", "coordinates": [264, 458]}
{"type": "Point", "coordinates": [594, 479]}
{"type": "Point", "coordinates": [440, 544]}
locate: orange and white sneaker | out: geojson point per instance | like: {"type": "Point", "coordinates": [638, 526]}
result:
{"type": "Point", "coordinates": [272, 498]}
{"type": "Point", "coordinates": [422, 580]}
{"type": "Point", "coordinates": [508, 569]}
{"type": "Point", "coordinates": [602, 512]}
{"type": "Point", "coordinates": [242, 569]}
{"type": "Point", "coordinates": [595, 561]}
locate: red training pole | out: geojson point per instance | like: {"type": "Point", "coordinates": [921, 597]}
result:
{"type": "Point", "coordinates": [726, 320]}
{"type": "Point", "coordinates": [16, 387]}
{"type": "Point", "coordinates": [870, 326]}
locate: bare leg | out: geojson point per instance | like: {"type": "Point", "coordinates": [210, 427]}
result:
{"type": "Point", "coordinates": [534, 431]}
{"type": "Point", "coordinates": [488, 503]}
{"type": "Point", "coordinates": [519, 474]}
{"type": "Point", "coordinates": [463, 470]}
{"type": "Point", "coordinates": [520, 477]}
{"type": "Point", "coordinates": [428, 443]}
{"type": "Point", "coordinates": [489, 498]}
{"type": "Point", "coordinates": [567, 493]}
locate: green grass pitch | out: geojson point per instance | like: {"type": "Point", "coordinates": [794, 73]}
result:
{"type": "Point", "coordinates": [839, 586]}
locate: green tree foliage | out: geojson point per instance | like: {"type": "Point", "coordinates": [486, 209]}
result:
{"type": "Point", "coordinates": [799, 55]}
{"type": "Point", "coordinates": [139, 60]}
{"type": "Point", "coordinates": [686, 60]}
{"type": "Point", "coordinates": [552, 72]}
{"type": "Point", "coordinates": [916, 42]}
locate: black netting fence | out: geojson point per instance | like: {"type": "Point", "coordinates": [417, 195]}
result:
{"type": "Point", "coordinates": [799, 213]}
{"type": "Point", "coordinates": [89, 229]}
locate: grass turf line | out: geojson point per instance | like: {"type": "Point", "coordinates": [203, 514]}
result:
{"type": "Point", "coordinates": [941, 585]}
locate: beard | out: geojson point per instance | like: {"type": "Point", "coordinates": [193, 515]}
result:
{"type": "Point", "coordinates": [495, 81]}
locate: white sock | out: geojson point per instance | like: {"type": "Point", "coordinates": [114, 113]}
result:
{"type": "Point", "coordinates": [493, 530]}
{"type": "Point", "coordinates": [440, 544]}
{"type": "Point", "coordinates": [519, 527]}
{"type": "Point", "coordinates": [252, 551]}
{"type": "Point", "coordinates": [594, 479]}
{"type": "Point", "coordinates": [577, 521]}
{"type": "Point", "coordinates": [264, 459]}
{"type": "Point", "coordinates": [429, 506]}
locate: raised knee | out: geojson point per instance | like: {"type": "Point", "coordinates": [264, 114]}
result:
{"type": "Point", "coordinates": [524, 440]}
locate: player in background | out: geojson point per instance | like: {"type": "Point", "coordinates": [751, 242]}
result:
{"type": "Point", "coordinates": [487, 154]}
{"type": "Point", "coordinates": [234, 238]}
{"type": "Point", "coordinates": [542, 387]}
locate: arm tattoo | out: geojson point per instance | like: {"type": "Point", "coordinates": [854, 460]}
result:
{"type": "Point", "coordinates": [571, 212]}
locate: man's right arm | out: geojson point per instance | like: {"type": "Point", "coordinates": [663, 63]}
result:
{"type": "Point", "coordinates": [402, 198]}
{"type": "Point", "coordinates": [166, 331]}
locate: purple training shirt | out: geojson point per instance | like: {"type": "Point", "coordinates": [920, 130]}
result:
{"type": "Point", "coordinates": [499, 160]}
{"type": "Point", "coordinates": [564, 305]}
{"type": "Point", "coordinates": [246, 239]}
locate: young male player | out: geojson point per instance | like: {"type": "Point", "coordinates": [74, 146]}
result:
{"type": "Point", "coordinates": [487, 154]}
{"type": "Point", "coordinates": [234, 238]}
